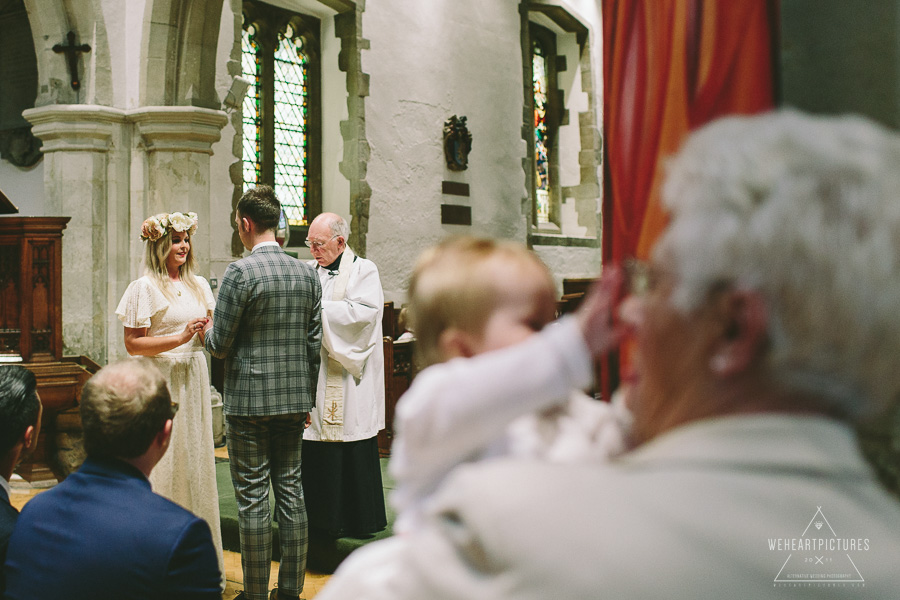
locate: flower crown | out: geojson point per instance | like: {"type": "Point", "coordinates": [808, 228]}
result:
{"type": "Point", "coordinates": [157, 226]}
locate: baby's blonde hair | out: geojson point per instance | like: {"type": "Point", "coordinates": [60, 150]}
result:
{"type": "Point", "coordinates": [453, 285]}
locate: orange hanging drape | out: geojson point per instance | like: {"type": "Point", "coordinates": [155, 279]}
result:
{"type": "Point", "coordinates": [670, 66]}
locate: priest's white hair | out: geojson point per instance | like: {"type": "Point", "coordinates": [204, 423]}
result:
{"type": "Point", "coordinates": [804, 210]}
{"type": "Point", "coordinates": [339, 226]}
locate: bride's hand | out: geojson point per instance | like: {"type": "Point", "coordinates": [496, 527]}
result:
{"type": "Point", "coordinates": [193, 326]}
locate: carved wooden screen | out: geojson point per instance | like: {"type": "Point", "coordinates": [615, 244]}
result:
{"type": "Point", "coordinates": [31, 288]}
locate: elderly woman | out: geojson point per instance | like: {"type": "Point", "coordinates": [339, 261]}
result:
{"type": "Point", "coordinates": [768, 324]}
{"type": "Point", "coordinates": [163, 313]}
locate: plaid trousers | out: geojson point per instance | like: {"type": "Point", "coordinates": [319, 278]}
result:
{"type": "Point", "coordinates": [261, 449]}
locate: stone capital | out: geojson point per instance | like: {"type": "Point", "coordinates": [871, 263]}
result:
{"type": "Point", "coordinates": [74, 127]}
{"type": "Point", "coordinates": [178, 128]}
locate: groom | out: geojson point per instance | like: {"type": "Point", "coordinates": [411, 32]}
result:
{"type": "Point", "coordinates": [267, 328]}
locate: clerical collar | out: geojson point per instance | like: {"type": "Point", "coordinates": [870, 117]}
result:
{"type": "Point", "coordinates": [336, 264]}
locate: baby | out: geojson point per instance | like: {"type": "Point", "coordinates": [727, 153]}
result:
{"type": "Point", "coordinates": [468, 297]}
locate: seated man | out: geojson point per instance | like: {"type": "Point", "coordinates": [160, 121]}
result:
{"type": "Point", "coordinates": [103, 533]}
{"type": "Point", "coordinates": [767, 324]}
{"type": "Point", "coordinates": [20, 423]}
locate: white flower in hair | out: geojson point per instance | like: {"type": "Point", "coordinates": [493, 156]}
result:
{"type": "Point", "coordinates": [158, 225]}
{"type": "Point", "coordinates": [194, 220]}
{"type": "Point", "coordinates": [182, 222]}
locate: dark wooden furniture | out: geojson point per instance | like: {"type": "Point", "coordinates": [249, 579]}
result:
{"type": "Point", "coordinates": [31, 288]}
{"type": "Point", "coordinates": [577, 285]}
{"type": "Point", "coordinates": [573, 293]}
{"type": "Point", "coordinates": [31, 332]}
{"type": "Point", "coordinates": [399, 371]}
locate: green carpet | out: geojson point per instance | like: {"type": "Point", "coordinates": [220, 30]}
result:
{"type": "Point", "coordinates": [324, 554]}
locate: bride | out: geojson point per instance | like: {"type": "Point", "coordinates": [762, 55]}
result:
{"type": "Point", "coordinates": [163, 312]}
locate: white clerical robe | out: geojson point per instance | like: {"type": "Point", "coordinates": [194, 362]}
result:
{"type": "Point", "coordinates": [351, 334]}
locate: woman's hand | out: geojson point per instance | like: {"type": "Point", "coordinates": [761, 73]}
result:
{"type": "Point", "coordinates": [138, 343]}
{"type": "Point", "coordinates": [192, 327]}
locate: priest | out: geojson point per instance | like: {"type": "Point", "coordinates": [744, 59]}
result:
{"type": "Point", "coordinates": [341, 471]}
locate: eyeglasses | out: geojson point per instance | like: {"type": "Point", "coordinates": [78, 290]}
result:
{"type": "Point", "coordinates": [317, 245]}
{"type": "Point", "coordinates": [174, 409]}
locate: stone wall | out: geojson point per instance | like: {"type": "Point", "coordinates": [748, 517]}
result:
{"type": "Point", "coordinates": [147, 133]}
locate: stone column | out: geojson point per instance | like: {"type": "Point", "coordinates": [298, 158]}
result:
{"type": "Point", "coordinates": [83, 146]}
{"type": "Point", "coordinates": [109, 169]}
{"type": "Point", "coordinates": [170, 170]}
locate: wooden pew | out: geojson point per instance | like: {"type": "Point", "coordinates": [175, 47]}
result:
{"type": "Point", "coordinates": [399, 371]}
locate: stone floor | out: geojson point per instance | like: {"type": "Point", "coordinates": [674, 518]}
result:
{"type": "Point", "coordinates": [22, 492]}
{"type": "Point", "coordinates": [235, 578]}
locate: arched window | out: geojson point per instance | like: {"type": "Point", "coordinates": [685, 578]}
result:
{"type": "Point", "coordinates": [280, 113]}
{"type": "Point", "coordinates": [541, 82]}
{"type": "Point", "coordinates": [560, 128]}
{"type": "Point", "coordinates": [546, 123]}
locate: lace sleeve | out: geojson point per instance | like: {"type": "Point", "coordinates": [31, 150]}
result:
{"type": "Point", "coordinates": [140, 302]}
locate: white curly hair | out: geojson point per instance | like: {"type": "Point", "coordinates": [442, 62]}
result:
{"type": "Point", "coordinates": [804, 210]}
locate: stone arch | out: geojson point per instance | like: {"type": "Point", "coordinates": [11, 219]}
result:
{"type": "Point", "coordinates": [50, 21]}
{"type": "Point", "coordinates": [49, 25]}
{"type": "Point", "coordinates": [178, 49]}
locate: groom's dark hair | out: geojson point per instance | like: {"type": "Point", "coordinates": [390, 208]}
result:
{"type": "Point", "coordinates": [260, 205]}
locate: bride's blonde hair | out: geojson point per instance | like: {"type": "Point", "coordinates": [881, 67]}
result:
{"type": "Point", "coordinates": [157, 231]}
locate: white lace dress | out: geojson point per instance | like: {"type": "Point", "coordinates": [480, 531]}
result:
{"type": "Point", "coordinates": [187, 473]}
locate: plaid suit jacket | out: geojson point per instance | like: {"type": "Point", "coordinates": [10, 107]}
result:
{"type": "Point", "coordinates": [267, 326]}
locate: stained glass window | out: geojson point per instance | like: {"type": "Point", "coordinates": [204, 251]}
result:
{"type": "Point", "coordinates": [252, 71]}
{"type": "Point", "coordinates": [291, 109]}
{"type": "Point", "coordinates": [279, 51]}
{"type": "Point", "coordinates": [540, 80]}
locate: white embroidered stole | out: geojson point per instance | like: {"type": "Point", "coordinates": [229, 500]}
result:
{"type": "Point", "coordinates": [333, 415]}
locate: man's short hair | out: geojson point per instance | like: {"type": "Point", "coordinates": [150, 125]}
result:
{"type": "Point", "coordinates": [123, 407]}
{"type": "Point", "coordinates": [19, 404]}
{"type": "Point", "coordinates": [455, 285]}
{"type": "Point", "coordinates": [260, 205]}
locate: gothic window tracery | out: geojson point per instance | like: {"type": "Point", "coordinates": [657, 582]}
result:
{"type": "Point", "coordinates": [280, 113]}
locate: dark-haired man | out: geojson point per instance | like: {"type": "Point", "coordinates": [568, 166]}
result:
{"type": "Point", "coordinates": [20, 423]}
{"type": "Point", "coordinates": [103, 533]}
{"type": "Point", "coordinates": [268, 330]}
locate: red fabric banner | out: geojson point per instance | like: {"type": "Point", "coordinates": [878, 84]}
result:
{"type": "Point", "coordinates": [671, 66]}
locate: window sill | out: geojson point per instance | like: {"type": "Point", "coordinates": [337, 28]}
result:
{"type": "Point", "coordinates": [541, 238]}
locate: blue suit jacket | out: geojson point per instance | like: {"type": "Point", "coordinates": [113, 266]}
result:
{"type": "Point", "coordinates": [8, 516]}
{"type": "Point", "coordinates": [102, 533]}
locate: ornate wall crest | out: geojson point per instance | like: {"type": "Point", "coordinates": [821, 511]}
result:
{"type": "Point", "coordinates": [457, 143]}
{"type": "Point", "coordinates": [20, 147]}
